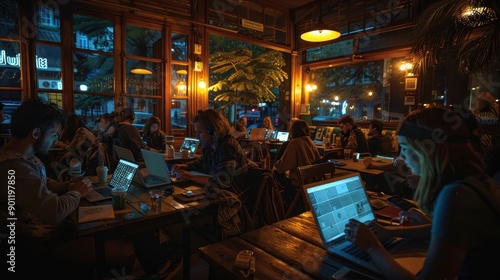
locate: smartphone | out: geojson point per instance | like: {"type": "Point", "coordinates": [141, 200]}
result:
{"type": "Point", "coordinates": [401, 203]}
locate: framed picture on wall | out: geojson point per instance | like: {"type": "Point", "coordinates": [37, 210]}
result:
{"type": "Point", "coordinates": [410, 83]}
{"type": "Point", "coordinates": [410, 100]}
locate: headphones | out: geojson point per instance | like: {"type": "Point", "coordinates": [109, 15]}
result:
{"type": "Point", "coordinates": [206, 122]}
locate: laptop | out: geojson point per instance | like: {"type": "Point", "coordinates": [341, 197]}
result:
{"type": "Point", "coordinates": [190, 144]}
{"type": "Point", "coordinates": [258, 134]}
{"type": "Point", "coordinates": [318, 138]}
{"type": "Point", "coordinates": [282, 136]}
{"type": "Point", "coordinates": [145, 177]}
{"type": "Point", "coordinates": [122, 177]}
{"type": "Point", "coordinates": [333, 202]}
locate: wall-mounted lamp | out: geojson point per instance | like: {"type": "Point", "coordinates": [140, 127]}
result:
{"type": "Point", "coordinates": [202, 84]}
{"type": "Point", "coordinates": [319, 32]}
{"type": "Point", "coordinates": [312, 87]}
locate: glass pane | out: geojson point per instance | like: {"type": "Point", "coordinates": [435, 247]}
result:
{"type": "Point", "coordinates": [93, 72]}
{"type": "Point", "coordinates": [178, 113]}
{"type": "Point", "coordinates": [9, 13]}
{"type": "Point", "coordinates": [179, 47]}
{"type": "Point", "coordinates": [143, 41]}
{"type": "Point", "coordinates": [48, 23]}
{"type": "Point", "coordinates": [338, 49]}
{"type": "Point", "coordinates": [143, 77]}
{"type": "Point", "coordinates": [91, 106]}
{"type": "Point", "coordinates": [355, 89]}
{"type": "Point", "coordinates": [178, 86]}
{"type": "Point", "coordinates": [48, 67]}
{"type": "Point", "coordinates": [10, 64]}
{"type": "Point", "coordinates": [93, 33]}
{"type": "Point", "coordinates": [54, 97]}
{"type": "Point", "coordinates": [144, 108]}
{"type": "Point", "coordinates": [10, 100]}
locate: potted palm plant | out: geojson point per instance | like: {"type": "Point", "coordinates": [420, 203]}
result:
{"type": "Point", "coordinates": [246, 80]}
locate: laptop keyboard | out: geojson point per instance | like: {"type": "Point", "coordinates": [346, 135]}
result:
{"type": "Point", "coordinates": [353, 250]}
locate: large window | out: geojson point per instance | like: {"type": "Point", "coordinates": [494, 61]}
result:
{"type": "Point", "coordinates": [369, 90]}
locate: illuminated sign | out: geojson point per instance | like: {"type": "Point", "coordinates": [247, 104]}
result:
{"type": "Point", "coordinates": [15, 61]}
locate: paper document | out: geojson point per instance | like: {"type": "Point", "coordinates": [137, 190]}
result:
{"type": "Point", "coordinates": [95, 213]}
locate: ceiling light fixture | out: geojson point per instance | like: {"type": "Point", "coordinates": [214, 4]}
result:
{"type": "Point", "coordinates": [319, 32]}
{"type": "Point", "coordinates": [141, 71]}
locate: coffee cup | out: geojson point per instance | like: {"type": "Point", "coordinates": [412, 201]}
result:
{"type": "Point", "coordinates": [119, 198]}
{"type": "Point", "coordinates": [102, 174]}
{"type": "Point", "coordinates": [347, 153]}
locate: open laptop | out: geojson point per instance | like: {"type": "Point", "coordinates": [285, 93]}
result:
{"type": "Point", "coordinates": [122, 177]}
{"type": "Point", "coordinates": [282, 136]}
{"type": "Point", "coordinates": [190, 144]}
{"type": "Point", "coordinates": [258, 134]}
{"type": "Point", "coordinates": [148, 177]}
{"type": "Point", "coordinates": [333, 202]}
{"type": "Point", "coordinates": [318, 138]}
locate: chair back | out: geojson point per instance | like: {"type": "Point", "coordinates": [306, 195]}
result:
{"type": "Point", "coordinates": [308, 174]}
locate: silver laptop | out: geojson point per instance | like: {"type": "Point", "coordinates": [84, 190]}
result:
{"type": "Point", "coordinates": [190, 144]}
{"type": "Point", "coordinates": [146, 177]}
{"type": "Point", "coordinates": [333, 202]}
{"type": "Point", "coordinates": [122, 177]}
{"type": "Point", "coordinates": [258, 134]}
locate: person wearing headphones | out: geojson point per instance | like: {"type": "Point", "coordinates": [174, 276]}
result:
{"type": "Point", "coordinates": [129, 136]}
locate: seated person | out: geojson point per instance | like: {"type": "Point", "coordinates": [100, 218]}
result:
{"type": "Point", "coordinates": [153, 135]}
{"type": "Point", "coordinates": [351, 136]}
{"type": "Point", "coordinates": [300, 151]}
{"type": "Point", "coordinates": [107, 131]}
{"type": "Point", "coordinates": [454, 195]}
{"type": "Point", "coordinates": [43, 233]}
{"type": "Point", "coordinates": [241, 126]}
{"type": "Point", "coordinates": [222, 158]}
{"type": "Point", "coordinates": [283, 146]}
{"type": "Point", "coordinates": [129, 136]}
{"type": "Point", "coordinates": [379, 144]}
{"type": "Point", "coordinates": [268, 124]}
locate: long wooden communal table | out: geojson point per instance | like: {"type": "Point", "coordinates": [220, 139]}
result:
{"type": "Point", "coordinates": [132, 220]}
{"type": "Point", "coordinates": [289, 249]}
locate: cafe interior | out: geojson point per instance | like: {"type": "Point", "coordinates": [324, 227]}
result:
{"type": "Point", "coordinates": [323, 59]}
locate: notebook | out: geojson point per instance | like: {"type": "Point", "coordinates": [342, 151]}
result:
{"type": "Point", "coordinates": [282, 136]}
{"type": "Point", "coordinates": [257, 134]}
{"type": "Point", "coordinates": [122, 177]}
{"type": "Point", "coordinates": [190, 144]}
{"type": "Point", "coordinates": [145, 177]}
{"type": "Point", "coordinates": [333, 202]}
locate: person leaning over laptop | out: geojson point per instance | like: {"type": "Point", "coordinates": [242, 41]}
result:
{"type": "Point", "coordinates": [129, 136]}
{"type": "Point", "coordinates": [454, 190]}
{"type": "Point", "coordinates": [222, 158]}
{"type": "Point", "coordinates": [41, 204]}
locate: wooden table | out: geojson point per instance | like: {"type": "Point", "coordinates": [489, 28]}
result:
{"type": "Point", "coordinates": [358, 166]}
{"type": "Point", "coordinates": [177, 158]}
{"type": "Point", "coordinates": [289, 249]}
{"type": "Point", "coordinates": [132, 220]}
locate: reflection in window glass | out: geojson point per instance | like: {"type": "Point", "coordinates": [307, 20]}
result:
{"type": "Point", "coordinates": [178, 84]}
{"type": "Point", "coordinates": [93, 33]}
{"type": "Point", "coordinates": [47, 22]}
{"type": "Point", "coordinates": [54, 97]}
{"type": "Point", "coordinates": [141, 77]}
{"type": "Point", "coordinates": [48, 67]}
{"type": "Point", "coordinates": [354, 89]}
{"type": "Point", "coordinates": [338, 49]}
{"type": "Point", "coordinates": [178, 113]}
{"type": "Point", "coordinates": [94, 72]}
{"type": "Point", "coordinates": [143, 41]}
{"type": "Point", "coordinates": [10, 64]}
{"type": "Point", "coordinates": [144, 108]}
{"type": "Point", "coordinates": [91, 106]}
{"type": "Point", "coordinates": [9, 13]}
{"type": "Point", "coordinates": [179, 47]}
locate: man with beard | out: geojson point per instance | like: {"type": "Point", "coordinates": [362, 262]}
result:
{"type": "Point", "coordinates": [37, 205]}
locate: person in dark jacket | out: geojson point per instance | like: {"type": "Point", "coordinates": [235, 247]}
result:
{"type": "Point", "coordinates": [351, 135]}
{"type": "Point", "coordinates": [378, 143]}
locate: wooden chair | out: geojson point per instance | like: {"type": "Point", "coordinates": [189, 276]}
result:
{"type": "Point", "coordinates": [309, 174]}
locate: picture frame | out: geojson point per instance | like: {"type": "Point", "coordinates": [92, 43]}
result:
{"type": "Point", "coordinates": [411, 84]}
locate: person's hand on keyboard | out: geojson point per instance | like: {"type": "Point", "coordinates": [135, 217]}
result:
{"type": "Point", "coordinates": [84, 186]}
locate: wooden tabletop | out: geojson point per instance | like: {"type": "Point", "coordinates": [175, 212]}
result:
{"type": "Point", "coordinates": [289, 249]}
{"type": "Point", "coordinates": [357, 166]}
{"type": "Point", "coordinates": [133, 220]}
